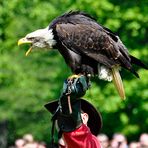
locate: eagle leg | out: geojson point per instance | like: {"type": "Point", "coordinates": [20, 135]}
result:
{"type": "Point", "coordinates": [87, 70]}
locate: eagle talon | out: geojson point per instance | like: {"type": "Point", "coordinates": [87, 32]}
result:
{"type": "Point", "coordinates": [74, 76]}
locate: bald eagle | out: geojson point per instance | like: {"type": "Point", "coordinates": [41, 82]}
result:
{"type": "Point", "coordinates": [87, 47]}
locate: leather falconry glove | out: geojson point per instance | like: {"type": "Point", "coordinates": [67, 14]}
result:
{"type": "Point", "coordinates": [69, 117]}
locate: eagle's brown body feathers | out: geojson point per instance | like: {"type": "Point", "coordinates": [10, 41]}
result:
{"type": "Point", "coordinates": [80, 33]}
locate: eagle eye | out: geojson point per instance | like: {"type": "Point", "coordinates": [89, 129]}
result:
{"type": "Point", "coordinates": [30, 38]}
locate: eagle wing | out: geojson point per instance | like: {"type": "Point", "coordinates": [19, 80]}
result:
{"type": "Point", "coordinates": [94, 41]}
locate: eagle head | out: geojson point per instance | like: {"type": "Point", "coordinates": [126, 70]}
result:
{"type": "Point", "coordinates": [41, 38]}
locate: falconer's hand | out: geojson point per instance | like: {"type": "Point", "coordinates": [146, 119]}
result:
{"type": "Point", "coordinates": [70, 104]}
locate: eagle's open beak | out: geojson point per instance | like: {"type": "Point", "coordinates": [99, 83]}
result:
{"type": "Point", "coordinates": [25, 41]}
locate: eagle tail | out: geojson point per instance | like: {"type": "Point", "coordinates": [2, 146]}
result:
{"type": "Point", "coordinates": [118, 82]}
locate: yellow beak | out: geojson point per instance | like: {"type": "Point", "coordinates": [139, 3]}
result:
{"type": "Point", "coordinates": [23, 41]}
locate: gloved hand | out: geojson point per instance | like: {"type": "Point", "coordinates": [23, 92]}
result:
{"type": "Point", "coordinates": [73, 89]}
{"type": "Point", "coordinates": [70, 114]}
{"type": "Point", "coordinates": [76, 87]}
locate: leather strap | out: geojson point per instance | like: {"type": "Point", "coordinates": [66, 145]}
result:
{"type": "Point", "coordinates": [69, 104]}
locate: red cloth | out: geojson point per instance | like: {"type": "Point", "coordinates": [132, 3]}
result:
{"type": "Point", "coordinates": [81, 138]}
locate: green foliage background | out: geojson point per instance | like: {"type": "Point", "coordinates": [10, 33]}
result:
{"type": "Point", "coordinates": [27, 83]}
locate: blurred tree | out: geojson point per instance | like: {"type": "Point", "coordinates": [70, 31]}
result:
{"type": "Point", "coordinates": [27, 83]}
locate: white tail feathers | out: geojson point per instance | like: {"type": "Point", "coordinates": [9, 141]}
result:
{"type": "Point", "coordinates": [118, 81]}
{"type": "Point", "coordinates": [104, 73]}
